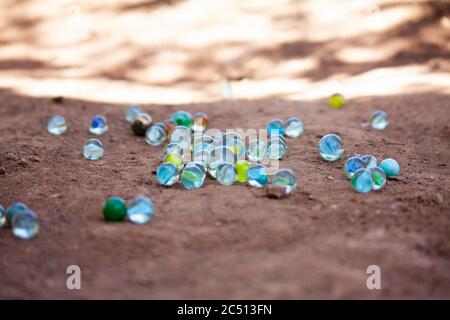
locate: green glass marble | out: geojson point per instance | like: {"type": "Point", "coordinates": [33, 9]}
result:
{"type": "Point", "coordinates": [362, 180]}
{"type": "Point", "coordinates": [378, 177]}
{"type": "Point", "coordinates": [114, 209]}
{"type": "Point", "coordinates": [192, 176]}
{"type": "Point", "coordinates": [285, 178]}
{"type": "Point", "coordinates": [182, 118]}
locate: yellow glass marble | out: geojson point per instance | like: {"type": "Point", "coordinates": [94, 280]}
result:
{"type": "Point", "coordinates": [242, 167]}
{"type": "Point", "coordinates": [176, 159]}
{"type": "Point", "coordinates": [336, 101]}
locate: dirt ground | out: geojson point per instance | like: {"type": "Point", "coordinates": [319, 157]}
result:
{"type": "Point", "coordinates": [234, 242]}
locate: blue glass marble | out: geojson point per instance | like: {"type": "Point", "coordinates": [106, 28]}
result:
{"type": "Point", "coordinates": [257, 176]}
{"type": "Point", "coordinates": [285, 178]}
{"type": "Point", "coordinates": [93, 149]}
{"type": "Point", "coordinates": [351, 165]}
{"type": "Point", "coordinates": [390, 167]}
{"type": "Point", "coordinates": [276, 126]}
{"type": "Point", "coordinates": [192, 176]}
{"type": "Point", "coordinates": [57, 125]}
{"type": "Point", "coordinates": [226, 174]}
{"type": "Point", "coordinates": [13, 209]}
{"type": "Point", "coordinates": [331, 147]}
{"type": "Point", "coordinates": [379, 120]}
{"type": "Point", "coordinates": [369, 161]}
{"type": "Point", "coordinates": [256, 150]}
{"type": "Point", "coordinates": [2, 216]}
{"type": "Point", "coordinates": [294, 127]}
{"type": "Point", "coordinates": [98, 125]}
{"type": "Point", "coordinates": [156, 134]}
{"type": "Point", "coordinates": [24, 224]}
{"type": "Point", "coordinates": [362, 181]}
{"type": "Point", "coordinates": [167, 174]}
{"type": "Point", "coordinates": [140, 210]}
{"type": "Point", "coordinates": [132, 113]}
{"type": "Point", "coordinates": [378, 177]}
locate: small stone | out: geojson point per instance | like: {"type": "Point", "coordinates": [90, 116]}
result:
{"type": "Point", "coordinates": [390, 167]}
{"type": "Point", "coordinates": [93, 149]}
{"type": "Point", "coordinates": [141, 123]}
{"type": "Point", "coordinates": [114, 209]}
{"type": "Point", "coordinates": [294, 127]}
{"type": "Point", "coordinates": [362, 181]}
{"type": "Point", "coordinates": [257, 176]}
{"type": "Point", "coordinates": [276, 192]}
{"type": "Point", "coordinates": [379, 120]}
{"type": "Point", "coordinates": [331, 147]}
{"type": "Point", "coordinates": [98, 125]}
{"type": "Point", "coordinates": [330, 177]}
{"type": "Point", "coordinates": [57, 100]}
{"type": "Point", "coordinates": [285, 178]}
{"type": "Point", "coordinates": [351, 165]}
{"type": "Point", "coordinates": [132, 113]}
{"type": "Point", "coordinates": [12, 156]}
{"type": "Point", "coordinates": [57, 125]}
{"type": "Point", "coordinates": [256, 150]}
{"type": "Point", "coordinates": [167, 174]}
{"type": "Point", "coordinates": [226, 174]}
{"type": "Point", "coordinates": [140, 210]}
{"type": "Point", "coordinates": [23, 162]}
{"type": "Point", "coordinates": [182, 118]}
{"type": "Point", "coordinates": [156, 134]}
{"type": "Point", "coordinates": [35, 159]}
{"type": "Point", "coordinates": [336, 101]}
{"type": "Point", "coordinates": [2, 170]}
{"type": "Point", "coordinates": [25, 224]}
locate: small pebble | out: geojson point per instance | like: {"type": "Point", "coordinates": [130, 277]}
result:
{"type": "Point", "coordinates": [276, 192]}
{"type": "Point", "coordinates": [93, 149]}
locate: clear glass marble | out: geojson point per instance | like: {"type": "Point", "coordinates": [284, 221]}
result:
{"type": "Point", "coordinates": [98, 125]}
{"type": "Point", "coordinates": [199, 122]}
{"type": "Point", "coordinates": [390, 167]}
{"type": "Point", "coordinates": [256, 150]}
{"type": "Point", "coordinates": [275, 126]}
{"type": "Point", "coordinates": [140, 210]}
{"type": "Point", "coordinates": [362, 180]}
{"type": "Point", "coordinates": [2, 216]}
{"type": "Point", "coordinates": [369, 161]}
{"type": "Point", "coordinates": [25, 224]}
{"type": "Point", "coordinates": [276, 148]}
{"type": "Point", "coordinates": [331, 147]}
{"type": "Point", "coordinates": [57, 125]}
{"type": "Point", "coordinates": [379, 120]}
{"type": "Point", "coordinates": [285, 178]}
{"type": "Point", "coordinates": [132, 113]}
{"type": "Point", "coordinates": [257, 176]}
{"type": "Point", "coordinates": [192, 176]}
{"type": "Point", "coordinates": [172, 147]}
{"type": "Point", "coordinates": [93, 149]}
{"type": "Point", "coordinates": [294, 127]}
{"type": "Point", "coordinates": [156, 134]}
{"type": "Point", "coordinates": [167, 174]}
{"type": "Point", "coordinates": [226, 174]}
{"type": "Point", "coordinates": [202, 157]}
{"type": "Point", "coordinates": [182, 135]}
{"type": "Point", "coordinates": [352, 165]}
{"type": "Point", "coordinates": [378, 177]}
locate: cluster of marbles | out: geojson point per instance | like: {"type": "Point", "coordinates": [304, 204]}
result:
{"type": "Point", "coordinates": [366, 174]}
{"type": "Point", "coordinates": [22, 220]}
{"type": "Point", "coordinates": [139, 211]}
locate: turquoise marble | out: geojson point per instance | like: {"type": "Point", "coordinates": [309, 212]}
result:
{"type": "Point", "coordinates": [369, 161]}
{"type": "Point", "coordinates": [379, 120]}
{"type": "Point", "coordinates": [390, 167]}
{"type": "Point", "coordinates": [13, 209]}
{"type": "Point", "coordinates": [351, 165]}
{"type": "Point", "coordinates": [25, 224]}
{"type": "Point", "coordinates": [140, 210]}
{"type": "Point", "coordinates": [93, 149]}
{"type": "Point", "coordinates": [294, 127]}
{"type": "Point", "coordinates": [156, 134]}
{"type": "Point", "coordinates": [378, 177]}
{"type": "Point", "coordinates": [2, 216]}
{"type": "Point", "coordinates": [132, 113]}
{"type": "Point", "coordinates": [167, 174]}
{"type": "Point", "coordinates": [57, 125]}
{"type": "Point", "coordinates": [192, 176]}
{"type": "Point", "coordinates": [98, 125]}
{"type": "Point", "coordinates": [331, 147]}
{"type": "Point", "coordinates": [226, 174]}
{"type": "Point", "coordinates": [276, 126]}
{"type": "Point", "coordinates": [285, 178]}
{"type": "Point", "coordinates": [362, 180]}
{"type": "Point", "coordinates": [257, 176]}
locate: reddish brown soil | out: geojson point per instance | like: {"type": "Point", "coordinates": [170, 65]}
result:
{"type": "Point", "coordinates": [229, 242]}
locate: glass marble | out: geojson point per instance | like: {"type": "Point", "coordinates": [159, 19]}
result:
{"type": "Point", "coordinates": [336, 101]}
{"type": "Point", "coordinates": [170, 125]}
{"type": "Point", "coordinates": [220, 155]}
{"type": "Point", "coordinates": [369, 161]}
{"type": "Point", "coordinates": [351, 165]}
{"type": "Point", "coordinates": [132, 113]}
{"type": "Point", "coordinates": [390, 167]}
{"type": "Point", "coordinates": [93, 149]}
{"type": "Point", "coordinates": [98, 125]}
{"type": "Point", "coordinates": [238, 146]}
{"type": "Point", "coordinates": [276, 126]}
{"type": "Point", "coordinates": [294, 127]}
{"type": "Point", "coordinates": [156, 135]}
{"type": "Point", "coordinates": [285, 178]}
{"type": "Point", "coordinates": [192, 176]}
{"type": "Point", "coordinates": [182, 118]}
{"type": "Point", "coordinates": [362, 180]}
{"type": "Point", "coordinates": [257, 176]}
{"type": "Point", "coordinates": [172, 147]}
{"type": "Point", "coordinates": [140, 210]}
{"type": "Point", "coordinates": [378, 177]}
{"type": "Point", "coordinates": [176, 159]}
{"type": "Point", "coordinates": [331, 147]}
{"type": "Point", "coordinates": [226, 174]}
{"type": "Point", "coordinates": [13, 209]}
{"type": "Point", "coordinates": [276, 149]}
{"type": "Point", "coordinates": [25, 224]}
{"type": "Point", "coordinates": [256, 150]}
{"type": "Point", "coordinates": [167, 174]}
{"type": "Point", "coordinates": [379, 120]}
{"type": "Point", "coordinates": [2, 216]}
{"type": "Point", "coordinates": [57, 125]}
{"type": "Point", "coordinates": [182, 135]}
{"type": "Point", "coordinates": [114, 209]}
{"type": "Point", "coordinates": [141, 123]}
{"type": "Point", "coordinates": [202, 157]}
{"type": "Point", "coordinates": [242, 167]}
{"type": "Point", "coordinates": [199, 122]}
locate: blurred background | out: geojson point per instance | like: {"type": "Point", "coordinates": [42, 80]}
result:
{"type": "Point", "coordinates": [180, 51]}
